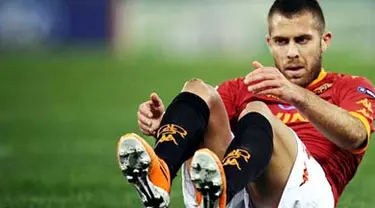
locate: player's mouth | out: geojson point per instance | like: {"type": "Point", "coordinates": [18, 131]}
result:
{"type": "Point", "coordinates": [294, 71]}
{"type": "Point", "coordinates": [294, 68]}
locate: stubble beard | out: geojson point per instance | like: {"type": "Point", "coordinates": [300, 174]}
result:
{"type": "Point", "coordinates": [313, 72]}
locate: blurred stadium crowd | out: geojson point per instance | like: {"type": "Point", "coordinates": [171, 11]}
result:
{"type": "Point", "coordinates": [182, 27]}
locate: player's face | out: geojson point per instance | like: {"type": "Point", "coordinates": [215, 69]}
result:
{"type": "Point", "coordinates": [297, 45]}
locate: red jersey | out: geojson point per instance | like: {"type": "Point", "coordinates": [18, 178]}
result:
{"type": "Point", "coordinates": [354, 94]}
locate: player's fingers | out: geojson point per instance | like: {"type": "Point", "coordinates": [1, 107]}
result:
{"type": "Point", "coordinates": [253, 73]}
{"type": "Point", "coordinates": [145, 109]}
{"type": "Point", "coordinates": [143, 128]}
{"type": "Point", "coordinates": [258, 77]}
{"type": "Point", "coordinates": [262, 74]}
{"type": "Point", "coordinates": [268, 70]}
{"type": "Point", "coordinates": [155, 99]}
{"type": "Point", "coordinates": [146, 133]}
{"type": "Point", "coordinates": [257, 64]}
{"type": "Point", "coordinates": [144, 120]}
{"type": "Point", "coordinates": [273, 91]}
{"type": "Point", "coordinates": [264, 85]}
{"type": "Point", "coordinates": [154, 127]}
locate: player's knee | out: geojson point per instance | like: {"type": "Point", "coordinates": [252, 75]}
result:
{"type": "Point", "coordinates": [258, 107]}
{"type": "Point", "coordinates": [203, 90]}
{"type": "Point", "coordinates": [195, 86]}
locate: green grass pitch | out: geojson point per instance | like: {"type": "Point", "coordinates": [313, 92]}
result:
{"type": "Point", "coordinates": [61, 115]}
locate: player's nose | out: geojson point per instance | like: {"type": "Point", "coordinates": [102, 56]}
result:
{"type": "Point", "coordinates": [292, 52]}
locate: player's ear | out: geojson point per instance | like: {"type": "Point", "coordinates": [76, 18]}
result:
{"type": "Point", "coordinates": [268, 40]}
{"type": "Point", "coordinates": [326, 41]}
{"type": "Point", "coordinates": [269, 44]}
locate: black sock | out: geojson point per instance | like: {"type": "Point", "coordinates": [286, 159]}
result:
{"type": "Point", "coordinates": [181, 130]}
{"type": "Point", "coordinates": [249, 153]}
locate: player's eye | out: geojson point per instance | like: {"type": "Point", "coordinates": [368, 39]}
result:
{"type": "Point", "coordinates": [281, 41]}
{"type": "Point", "coordinates": [302, 40]}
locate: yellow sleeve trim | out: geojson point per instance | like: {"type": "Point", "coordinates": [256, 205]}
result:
{"type": "Point", "coordinates": [368, 130]}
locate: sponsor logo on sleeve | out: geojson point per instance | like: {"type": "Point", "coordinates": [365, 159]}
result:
{"type": "Point", "coordinates": [366, 91]}
{"type": "Point", "coordinates": [286, 107]}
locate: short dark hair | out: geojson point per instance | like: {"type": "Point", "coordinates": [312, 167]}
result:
{"type": "Point", "coordinates": [291, 8]}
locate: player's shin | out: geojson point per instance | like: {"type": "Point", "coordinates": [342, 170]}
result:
{"type": "Point", "coordinates": [249, 153]}
{"type": "Point", "coordinates": [181, 130]}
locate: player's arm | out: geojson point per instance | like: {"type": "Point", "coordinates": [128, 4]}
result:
{"type": "Point", "coordinates": [343, 128]}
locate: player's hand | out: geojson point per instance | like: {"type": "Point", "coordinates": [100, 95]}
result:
{"type": "Point", "coordinates": [150, 114]}
{"type": "Point", "coordinates": [270, 81]}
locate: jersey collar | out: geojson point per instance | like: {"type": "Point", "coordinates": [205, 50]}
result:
{"type": "Point", "coordinates": [320, 77]}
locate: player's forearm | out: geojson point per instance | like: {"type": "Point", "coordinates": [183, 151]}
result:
{"type": "Point", "coordinates": [334, 122]}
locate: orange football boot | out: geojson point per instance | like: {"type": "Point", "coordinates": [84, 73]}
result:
{"type": "Point", "coordinates": [144, 170]}
{"type": "Point", "coordinates": [207, 174]}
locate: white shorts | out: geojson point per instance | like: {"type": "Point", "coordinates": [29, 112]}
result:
{"type": "Point", "coordinates": [315, 191]}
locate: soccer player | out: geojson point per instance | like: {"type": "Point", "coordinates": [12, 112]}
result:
{"type": "Point", "coordinates": [292, 135]}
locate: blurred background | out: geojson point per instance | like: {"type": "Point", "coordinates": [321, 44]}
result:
{"type": "Point", "coordinates": [73, 72]}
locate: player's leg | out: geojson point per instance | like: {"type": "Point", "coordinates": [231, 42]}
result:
{"type": "Point", "coordinates": [272, 149]}
{"type": "Point", "coordinates": [182, 130]}
{"type": "Point", "coordinates": [263, 151]}
{"type": "Point", "coordinates": [217, 136]}
{"type": "Point", "coordinates": [271, 156]}
{"type": "Point", "coordinates": [292, 177]}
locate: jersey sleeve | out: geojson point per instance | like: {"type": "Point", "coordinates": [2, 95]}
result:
{"type": "Point", "coordinates": [228, 92]}
{"type": "Point", "coordinates": [357, 96]}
